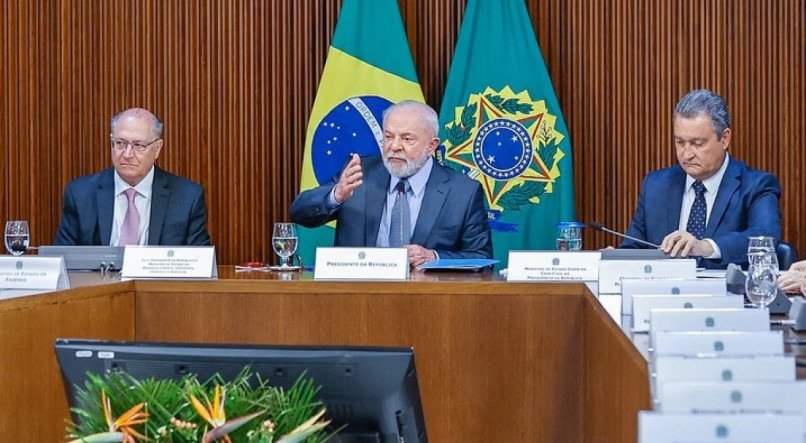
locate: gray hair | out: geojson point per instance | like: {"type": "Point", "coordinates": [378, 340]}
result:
{"type": "Point", "coordinates": [705, 101]}
{"type": "Point", "coordinates": [428, 113]}
{"type": "Point", "coordinates": [140, 113]}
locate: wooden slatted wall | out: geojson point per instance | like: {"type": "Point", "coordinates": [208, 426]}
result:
{"type": "Point", "coordinates": [234, 81]}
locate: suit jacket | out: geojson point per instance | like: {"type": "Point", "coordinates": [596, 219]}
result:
{"type": "Point", "coordinates": [746, 205]}
{"type": "Point", "coordinates": [178, 211]}
{"type": "Point", "coordinates": [452, 219]}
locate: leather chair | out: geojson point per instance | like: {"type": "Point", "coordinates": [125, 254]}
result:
{"type": "Point", "coordinates": [787, 254]}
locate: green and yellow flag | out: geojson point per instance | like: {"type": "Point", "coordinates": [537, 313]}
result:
{"type": "Point", "coordinates": [368, 68]}
{"type": "Point", "coordinates": [501, 125]}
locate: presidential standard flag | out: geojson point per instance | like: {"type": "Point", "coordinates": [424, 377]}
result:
{"type": "Point", "coordinates": [501, 125]}
{"type": "Point", "coordinates": [368, 68]}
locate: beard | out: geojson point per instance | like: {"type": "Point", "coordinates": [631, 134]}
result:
{"type": "Point", "coordinates": [406, 169]}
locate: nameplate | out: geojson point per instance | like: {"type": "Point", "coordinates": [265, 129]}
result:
{"type": "Point", "coordinates": [553, 265]}
{"type": "Point", "coordinates": [642, 304]}
{"type": "Point", "coordinates": [361, 264]}
{"type": "Point", "coordinates": [667, 286]}
{"type": "Point", "coordinates": [169, 262]}
{"type": "Point", "coordinates": [671, 320]}
{"type": "Point", "coordinates": [37, 273]}
{"type": "Point", "coordinates": [611, 272]}
{"type": "Point", "coordinates": [654, 427]}
{"type": "Point", "coordinates": [734, 398]}
{"type": "Point", "coordinates": [725, 343]}
{"type": "Point", "coordinates": [722, 370]}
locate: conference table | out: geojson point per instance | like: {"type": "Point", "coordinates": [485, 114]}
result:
{"type": "Point", "coordinates": [496, 361]}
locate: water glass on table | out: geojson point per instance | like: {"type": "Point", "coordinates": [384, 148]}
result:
{"type": "Point", "coordinates": [17, 237]}
{"type": "Point", "coordinates": [284, 242]}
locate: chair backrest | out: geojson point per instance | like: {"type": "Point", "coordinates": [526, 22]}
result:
{"type": "Point", "coordinates": [787, 254]}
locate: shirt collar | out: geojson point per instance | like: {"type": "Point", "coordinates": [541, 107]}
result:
{"type": "Point", "coordinates": [143, 188]}
{"type": "Point", "coordinates": [711, 183]}
{"type": "Point", "coordinates": [416, 181]}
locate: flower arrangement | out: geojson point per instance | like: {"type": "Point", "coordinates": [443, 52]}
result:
{"type": "Point", "coordinates": [119, 408]}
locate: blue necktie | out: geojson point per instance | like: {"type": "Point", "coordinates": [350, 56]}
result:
{"type": "Point", "coordinates": [699, 210]}
{"type": "Point", "coordinates": [400, 226]}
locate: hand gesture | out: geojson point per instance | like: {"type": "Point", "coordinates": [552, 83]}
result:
{"type": "Point", "coordinates": [350, 179]}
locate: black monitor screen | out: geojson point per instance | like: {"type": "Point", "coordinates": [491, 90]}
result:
{"type": "Point", "coordinates": [372, 392]}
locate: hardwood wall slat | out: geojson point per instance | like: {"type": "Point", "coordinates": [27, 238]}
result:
{"type": "Point", "coordinates": [234, 82]}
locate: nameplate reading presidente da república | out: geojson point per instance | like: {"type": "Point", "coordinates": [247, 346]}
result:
{"type": "Point", "coordinates": [169, 262]}
{"type": "Point", "coordinates": [553, 265]}
{"type": "Point", "coordinates": [36, 273]}
{"type": "Point", "coordinates": [361, 264]}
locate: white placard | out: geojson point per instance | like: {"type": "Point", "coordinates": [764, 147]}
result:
{"type": "Point", "coordinates": [722, 370]}
{"type": "Point", "coordinates": [361, 264]}
{"type": "Point", "coordinates": [30, 272]}
{"type": "Point", "coordinates": [734, 398]}
{"type": "Point", "coordinates": [612, 271]}
{"type": "Point", "coordinates": [169, 262]}
{"type": "Point", "coordinates": [757, 428]}
{"type": "Point", "coordinates": [725, 343]}
{"type": "Point", "coordinates": [707, 320]}
{"type": "Point", "coordinates": [553, 265]}
{"type": "Point", "coordinates": [668, 286]}
{"type": "Point", "coordinates": [643, 303]}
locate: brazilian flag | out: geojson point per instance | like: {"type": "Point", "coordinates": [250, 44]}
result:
{"type": "Point", "coordinates": [368, 68]}
{"type": "Point", "coordinates": [501, 125]}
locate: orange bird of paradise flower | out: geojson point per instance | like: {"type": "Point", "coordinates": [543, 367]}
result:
{"type": "Point", "coordinates": [124, 423]}
{"type": "Point", "coordinates": [120, 429]}
{"type": "Point", "coordinates": [215, 415]}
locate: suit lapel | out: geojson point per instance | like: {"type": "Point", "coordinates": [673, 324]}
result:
{"type": "Point", "coordinates": [675, 198]}
{"type": "Point", "coordinates": [436, 190]}
{"type": "Point", "coordinates": [375, 200]}
{"type": "Point", "coordinates": [160, 194]}
{"type": "Point", "coordinates": [729, 185]}
{"type": "Point", "coordinates": [105, 202]}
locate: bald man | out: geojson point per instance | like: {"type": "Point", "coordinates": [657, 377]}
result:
{"type": "Point", "coordinates": [134, 202]}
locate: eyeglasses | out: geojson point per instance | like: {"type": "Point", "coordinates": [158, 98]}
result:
{"type": "Point", "coordinates": [120, 145]}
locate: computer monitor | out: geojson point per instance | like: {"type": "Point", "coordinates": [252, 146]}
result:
{"type": "Point", "coordinates": [86, 258]}
{"type": "Point", "coordinates": [371, 391]}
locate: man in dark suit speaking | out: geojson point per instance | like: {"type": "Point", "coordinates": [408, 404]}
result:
{"type": "Point", "coordinates": [708, 204]}
{"type": "Point", "coordinates": [135, 202]}
{"type": "Point", "coordinates": [402, 198]}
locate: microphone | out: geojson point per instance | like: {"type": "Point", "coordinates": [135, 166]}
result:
{"type": "Point", "coordinates": [601, 227]}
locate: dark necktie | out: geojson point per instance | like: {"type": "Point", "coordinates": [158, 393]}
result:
{"type": "Point", "coordinates": [696, 218]}
{"type": "Point", "coordinates": [400, 226]}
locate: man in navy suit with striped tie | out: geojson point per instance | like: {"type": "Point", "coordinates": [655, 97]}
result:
{"type": "Point", "coordinates": [710, 203]}
{"type": "Point", "coordinates": [135, 202]}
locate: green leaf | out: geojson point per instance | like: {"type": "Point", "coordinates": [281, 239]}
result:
{"type": "Point", "coordinates": [519, 195]}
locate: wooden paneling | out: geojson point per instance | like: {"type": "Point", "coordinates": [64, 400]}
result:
{"type": "Point", "coordinates": [508, 350]}
{"type": "Point", "coordinates": [34, 406]}
{"type": "Point", "coordinates": [234, 82]}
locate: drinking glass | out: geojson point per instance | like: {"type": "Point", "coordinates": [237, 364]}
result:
{"type": "Point", "coordinates": [569, 236]}
{"type": "Point", "coordinates": [765, 245]}
{"type": "Point", "coordinates": [761, 285]}
{"type": "Point", "coordinates": [17, 237]}
{"type": "Point", "coordinates": [284, 241]}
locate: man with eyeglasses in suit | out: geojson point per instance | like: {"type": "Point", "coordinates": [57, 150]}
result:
{"type": "Point", "coordinates": [134, 202]}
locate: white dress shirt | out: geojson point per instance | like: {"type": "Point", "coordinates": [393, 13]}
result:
{"type": "Point", "coordinates": [711, 187]}
{"type": "Point", "coordinates": [142, 200]}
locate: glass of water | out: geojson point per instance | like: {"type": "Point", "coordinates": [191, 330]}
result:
{"type": "Point", "coordinates": [284, 241]}
{"type": "Point", "coordinates": [17, 237]}
{"type": "Point", "coordinates": [765, 245]}
{"type": "Point", "coordinates": [762, 279]}
{"type": "Point", "coordinates": [569, 236]}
